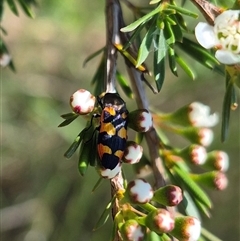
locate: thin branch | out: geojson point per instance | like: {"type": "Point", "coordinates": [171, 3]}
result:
{"type": "Point", "coordinates": [209, 11]}
{"type": "Point", "coordinates": [112, 30]}
{"type": "Point", "coordinates": [113, 10]}
{"type": "Point", "coordinates": [151, 136]}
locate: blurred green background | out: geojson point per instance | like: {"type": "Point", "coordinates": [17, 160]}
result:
{"type": "Point", "coordinates": [43, 197]}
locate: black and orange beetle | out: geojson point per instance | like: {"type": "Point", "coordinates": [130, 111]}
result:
{"type": "Point", "coordinates": [112, 135]}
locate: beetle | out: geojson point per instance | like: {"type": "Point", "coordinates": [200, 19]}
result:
{"type": "Point", "coordinates": [112, 135]}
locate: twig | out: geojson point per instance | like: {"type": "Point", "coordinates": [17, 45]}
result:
{"type": "Point", "coordinates": [113, 10]}
{"type": "Point", "coordinates": [151, 136]}
{"type": "Point", "coordinates": [112, 31]}
{"type": "Point", "coordinates": [209, 11]}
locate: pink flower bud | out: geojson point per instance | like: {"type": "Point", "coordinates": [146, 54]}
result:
{"type": "Point", "coordinates": [213, 179]}
{"type": "Point", "coordinates": [186, 228]}
{"type": "Point", "coordinates": [133, 153]}
{"type": "Point", "coordinates": [160, 221]}
{"type": "Point", "coordinates": [131, 230]}
{"type": "Point", "coordinates": [139, 191]}
{"type": "Point", "coordinates": [140, 120]}
{"type": "Point", "coordinates": [169, 195]}
{"type": "Point", "coordinates": [205, 136]}
{"type": "Point", "coordinates": [218, 160]}
{"type": "Point", "coordinates": [82, 102]}
{"type": "Point", "coordinates": [194, 154]}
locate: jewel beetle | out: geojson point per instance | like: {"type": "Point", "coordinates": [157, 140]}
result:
{"type": "Point", "coordinates": [112, 135]}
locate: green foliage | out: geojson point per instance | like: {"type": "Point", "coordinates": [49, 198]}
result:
{"type": "Point", "coordinates": [163, 31]}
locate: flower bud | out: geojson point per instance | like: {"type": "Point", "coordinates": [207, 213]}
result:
{"type": "Point", "coordinates": [160, 221]}
{"type": "Point", "coordinates": [133, 153]}
{"type": "Point", "coordinates": [186, 228]}
{"type": "Point", "coordinates": [108, 173]}
{"type": "Point", "coordinates": [196, 114]}
{"type": "Point", "coordinates": [139, 191]}
{"type": "Point", "coordinates": [169, 195]}
{"type": "Point", "coordinates": [140, 120]}
{"type": "Point", "coordinates": [82, 102]}
{"type": "Point", "coordinates": [5, 59]}
{"type": "Point", "coordinates": [131, 230]}
{"type": "Point", "coordinates": [202, 136]}
{"type": "Point", "coordinates": [194, 154]}
{"type": "Point", "coordinates": [217, 160]}
{"type": "Point", "coordinates": [213, 179]}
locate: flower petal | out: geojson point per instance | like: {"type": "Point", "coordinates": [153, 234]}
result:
{"type": "Point", "coordinates": [226, 57]}
{"type": "Point", "coordinates": [205, 35]}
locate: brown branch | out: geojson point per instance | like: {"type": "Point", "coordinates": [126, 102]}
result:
{"type": "Point", "coordinates": [151, 136]}
{"type": "Point", "coordinates": [209, 11]}
{"type": "Point", "coordinates": [113, 10]}
{"type": "Point", "coordinates": [112, 30]}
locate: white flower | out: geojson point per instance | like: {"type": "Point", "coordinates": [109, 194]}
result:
{"type": "Point", "coordinates": [82, 102]}
{"type": "Point", "coordinates": [199, 115]}
{"type": "Point", "coordinates": [140, 191]}
{"type": "Point", "coordinates": [224, 36]}
{"type": "Point", "coordinates": [5, 59]}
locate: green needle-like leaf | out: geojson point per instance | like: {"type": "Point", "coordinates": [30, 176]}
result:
{"type": "Point", "coordinates": [159, 60]}
{"type": "Point", "coordinates": [197, 52]}
{"type": "Point", "coordinates": [145, 46]}
{"type": "Point", "coordinates": [185, 66]}
{"type": "Point", "coordinates": [26, 8]}
{"type": "Point", "coordinates": [226, 110]}
{"type": "Point", "coordinates": [141, 20]}
{"type": "Point", "coordinates": [71, 150]}
{"type": "Point", "coordinates": [105, 215]}
{"type": "Point", "coordinates": [183, 11]}
{"type": "Point", "coordinates": [68, 120]}
{"type": "Point", "coordinates": [172, 60]}
{"type": "Point", "coordinates": [13, 7]}
{"type": "Point", "coordinates": [124, 85]}
{"type": "Point", "coordinates": [168, 33]}
{"type": "Point", "coordinates": [192, 187]}
{"type": "Point", "coordinates": [93, 55]}
{"type": "Point", "coordinates": [69, 115]}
